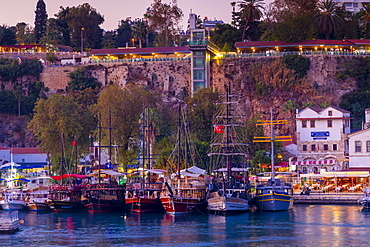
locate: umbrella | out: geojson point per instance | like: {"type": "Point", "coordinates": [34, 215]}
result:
{"type": "Point", "coordinates": [9, 165]}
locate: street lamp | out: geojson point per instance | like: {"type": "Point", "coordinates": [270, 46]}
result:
{"type": "Point", "coordinates": [82, 40]}
{"type": "Point", "coordinates": [133, 42]}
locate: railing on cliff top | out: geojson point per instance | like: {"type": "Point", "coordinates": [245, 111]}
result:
{"type": "Point", "coordinates": [155, 59]}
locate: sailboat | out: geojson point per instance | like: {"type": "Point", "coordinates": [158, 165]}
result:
{"type": "Point", "coordinates": [186, 191]}
{"type": "Point", "coordinates": [65, 197]}
{"type": "Point", "coordinates": [273, 194]}
{"type": "Point", "coordinates": [142, 194]}
{"type": "Point", "coordinates": [229, 191]}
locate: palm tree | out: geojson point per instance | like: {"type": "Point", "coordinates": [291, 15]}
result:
{"type": "Point", "coordinates": [250, 11]}
{"type": "Point", "coordinates": [327, 19]}
{"type": "Point", "coordinates": [139, 31]}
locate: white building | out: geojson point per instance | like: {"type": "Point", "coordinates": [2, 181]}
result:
{"type": "Point", "coordinates": [322, 139]}
{"type": "Point", "coordinates": [353, 6]}
{"type": "Point", "coordinates": [359, 145]}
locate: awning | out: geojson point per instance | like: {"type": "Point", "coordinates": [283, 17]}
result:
{"type": "Point", "coordinates": [67, 176]}
{"type": "Point", "coordinates": [156, 171]}
{"type": "Point", "coordinates": [233, 169]}
{"type": "Point", "coordinates": [314, 162]}
{"type": "Point", "coordinates": [196, 170]}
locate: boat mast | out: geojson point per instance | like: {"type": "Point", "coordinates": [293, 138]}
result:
{"type": "Point", "coordinates": [228, 147]}
{"type": "Point", "coordinates": [272, 148]}
{"type": "Point", "coordinates": [179, 142]}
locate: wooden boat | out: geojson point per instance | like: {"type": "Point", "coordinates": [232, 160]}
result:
{"type": "Point", "coordinates": [38, 201]}
{"type": "Point", "coordinates": [104, 197]}
{"type": "Point", "coordinates": [229, 190]}
{"type": "Point", "coordinates": [11, 224]}
{"type": "Point", "coordinates": [184, 196]}
{"type": "Point", "coordinates": [144, 198]}
{"type": "Point", "coordinates": [66, 198]}
{"type": "Point", "coordinates": [275, 194]}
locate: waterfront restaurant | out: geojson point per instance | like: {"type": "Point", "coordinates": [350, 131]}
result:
{"type": "Point", "coordinates": [151, 53]}
{"type": "Point", "coordinates": [337, 181]}
{"type": "Point", "coordinates": [306, 47]}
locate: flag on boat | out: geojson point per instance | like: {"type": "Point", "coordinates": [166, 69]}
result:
{"type": "Point", "coordinates": [218, 129]}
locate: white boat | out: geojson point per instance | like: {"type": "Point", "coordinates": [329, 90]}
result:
{"type": "Point", "coordinates": [229, 190]}
{"type": "Point", "coordinates": [365, 199]}
{"type": "Point", "coordinates": [14, 200]}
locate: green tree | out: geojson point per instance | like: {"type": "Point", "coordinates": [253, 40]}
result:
{"type": "Point", "coordinates": [226, 35]}
{"type": "Point", "coordinates": [109, 40]}
{"type": "Point", "coordinates": [124, 33]}
{"type": "Point", "coordinates": [83, 23]}
{"type": "Point", "coordinates": [165, 19]}
{"type": "Point", "coordinates": [7, 35]}
{"type": "Point", "coordinates": [40, 20]}
{"type": "Point", "coordinates": [297, 63]}
{"type": "Point", "coordinates": [250, 11]}
{"type": "Point", "coordinates": [59, 115]}
{"type": "Point", "coordinates": [364, 17]}
{"type": "Point", "coordinates": [81, 80]}
{"type": "Point", "coordinates": [327, 19]}
{"type": "Point", "coordinates": [202, 111]}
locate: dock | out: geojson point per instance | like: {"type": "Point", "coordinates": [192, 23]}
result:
{"type": "Point", "coordinates": [327, 198]}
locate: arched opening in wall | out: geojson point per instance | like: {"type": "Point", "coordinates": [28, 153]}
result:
{"type": "Point", "coordinates": [315, 170]}
{"type": "Point", "coordinates": [304, 169]}
{"type": "Point", "coordinates": [325, 168]}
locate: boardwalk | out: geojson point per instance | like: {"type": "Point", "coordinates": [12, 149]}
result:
{"type": "Point", "coordinates": [327, 198]}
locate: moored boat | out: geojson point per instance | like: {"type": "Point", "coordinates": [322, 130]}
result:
{"type": "Point", "coordinates": [38, 201]}
{"type": "Point", "coordinates": [104, 197]}
{"type": "Point", "coordinates": [144, 198]}
{"type": "Point", "coordinates": [184, 195]}
{"type": "Point", "coordinates": [66, 198]}
{"type": "Point", "coordinates": [365, 199]}
{"type": "Point", "coordinates": [14, 200]}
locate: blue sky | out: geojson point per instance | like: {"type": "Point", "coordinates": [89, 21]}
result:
{"type": "Point", "coordinates": [15, 11]}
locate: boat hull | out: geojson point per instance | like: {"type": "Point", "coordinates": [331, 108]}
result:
{"type": "Point", "coordinates": [98, 205]}
{"type": "Point", "coordinates": [39, 206]}
{"type": "Point", "coordinates": [65, 206]}
{"type": "Point", "coordinates": [174, 205]}
{"type": "Point", "coordinates": [274, 201]}
{"type": "Point", "coordinates": [228, 205]}
{"type": "Point", "coordinates": [14, 205]}
{"type": "Point", "coordinates": [144, 205]}
{"type": "Point", "coordinates": [365, 203]}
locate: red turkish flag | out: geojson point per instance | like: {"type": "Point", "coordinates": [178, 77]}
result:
{"type": "Point", "coordinates": [74, 143]}
{"type": "Point", "coordinates": [218, 129]}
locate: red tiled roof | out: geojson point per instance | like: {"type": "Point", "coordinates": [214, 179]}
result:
{"type": "Point", "coordinates": [3, 148]}
{"type": "Point", "coordinates": [359, 41]}
{"type": "Point", "coordinates": [25, 151]}
{"type": "Point", "coordinates": [147, 50]}
{"type": "Point", "coordinates": [315, 42]}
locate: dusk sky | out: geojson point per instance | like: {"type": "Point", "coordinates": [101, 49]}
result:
{"type": "Point", "coordinates": [15, 11]}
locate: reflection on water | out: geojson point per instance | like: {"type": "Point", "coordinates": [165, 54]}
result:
{"type": "Point", "coordinates": [328, 225]}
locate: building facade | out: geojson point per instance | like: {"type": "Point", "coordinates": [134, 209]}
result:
{"type": "Point", "coordinates": [322, 139]}
{"type": "Point", "coordinates": [353, 6]}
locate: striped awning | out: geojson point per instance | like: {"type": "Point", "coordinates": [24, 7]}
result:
{"type": "Point", "coordinates": [314, 162]}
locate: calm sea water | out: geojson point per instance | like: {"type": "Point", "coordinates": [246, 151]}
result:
{"type": "Point", "coordinates": [318, 225]}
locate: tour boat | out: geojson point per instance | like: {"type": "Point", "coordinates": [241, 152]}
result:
{"type": "Point", "coordinates": [143, 199]}
{"type": "Point", "coordinates": [14, 200]}
{"type": "Point", "coordinates": [273, 194]}
{"type": "Point", "coordinates": [104, 197]}
{"type": "Point", "coordinates": [229, 190]}
{"type": "Point", "coordinates": [38, 201]}
{"type": "Point", "coordinates": [66, 198]}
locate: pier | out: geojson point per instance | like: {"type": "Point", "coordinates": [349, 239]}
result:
{"type": "Point", "coordinates": [327, 198]}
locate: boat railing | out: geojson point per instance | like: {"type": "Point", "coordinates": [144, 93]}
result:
{"type": "Point", "coordinates": [268, 183]}
{"type": "Point", "coordinates": [14, 216]}
{"type": "Point", "coordinates": [149, 186]}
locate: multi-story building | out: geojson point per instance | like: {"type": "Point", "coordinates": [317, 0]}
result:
{"type": "Point", "coordinates": [353, 6]}
{"type": "Point", "coordinates": [322, 139]}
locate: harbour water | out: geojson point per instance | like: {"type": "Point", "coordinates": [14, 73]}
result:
{"type": "Point", "coordinates": [304, 225]}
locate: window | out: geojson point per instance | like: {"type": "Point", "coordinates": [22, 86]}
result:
{"type": "Point", "coordinates": [368, 146]}
{"type": "Point", "coordinates": [330, 123]}
{"type": "Point", "coordinates": [312, 123]}
{"type": "Point", "coordinates": [335, 147]}
{"type": "Point", "coordinates": [326, 147]}
{"type": "Point", "coordinates": [304, 124]}
{"type": "Point", "coordinates": [330, 113]}
{"type": "Point", "coordinates": [357, 146]}
{"type": "Point", "coordinates": [313, 147]}
{"type": "Point", "coordinates": [198, 62]}
{"type": "Point", "coordinates": [304, 147]}
{"type": "Point", "coordinates": [198, 75]}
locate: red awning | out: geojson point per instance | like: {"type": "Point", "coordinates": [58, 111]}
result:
{"type": "Point", "coordinates": [314, 162]}
{"type": "Point", "coordinates": [67, 176]}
